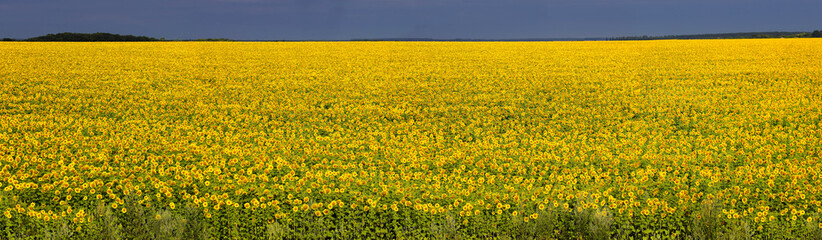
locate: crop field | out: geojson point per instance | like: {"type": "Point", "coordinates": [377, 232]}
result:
{"type": "Point", "coordinates": [681, 139]}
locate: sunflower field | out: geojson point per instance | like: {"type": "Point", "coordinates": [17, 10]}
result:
{"type": "Point", "coordinates": [674, 139]}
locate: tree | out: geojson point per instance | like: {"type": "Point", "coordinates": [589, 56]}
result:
{"type": "Point", "coordinates": [817, 34]}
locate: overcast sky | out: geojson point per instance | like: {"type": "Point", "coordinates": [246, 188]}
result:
{"type": "Point", "coordinates": [349, 19]}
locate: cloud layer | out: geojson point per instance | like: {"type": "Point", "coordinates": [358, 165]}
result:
{"type": "Point", "coordinates": [347, 19]}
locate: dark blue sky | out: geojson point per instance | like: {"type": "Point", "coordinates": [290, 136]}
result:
{"type": "Point", "coordinates": [347, 19]}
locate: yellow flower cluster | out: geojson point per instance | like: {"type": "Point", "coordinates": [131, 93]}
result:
{"type": "Point", "coordinates": [636, 129]}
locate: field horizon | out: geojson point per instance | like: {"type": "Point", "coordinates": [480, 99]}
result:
{"type": "Point", "coordinates": [109, 37]}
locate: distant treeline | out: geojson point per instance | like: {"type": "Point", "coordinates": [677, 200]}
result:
{"type": "Point", "coordinates": [90, 37]}
{"type": "Point", "coordinates": [814, 34]}
{"type": "Point", "coordinates": [109, 37]}
{"type": "Point", "coordinates": [102, 37]}
{"type": "Point", "coordinates": [212, 40]}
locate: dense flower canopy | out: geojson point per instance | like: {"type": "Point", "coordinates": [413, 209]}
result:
{"type": "Point", "coordinates": [642, 131]}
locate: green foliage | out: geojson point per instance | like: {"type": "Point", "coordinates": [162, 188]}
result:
{"type": "Point", "coordinates": [706, 221]}
{"type": "Point", "coordinates": [237, 223]}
